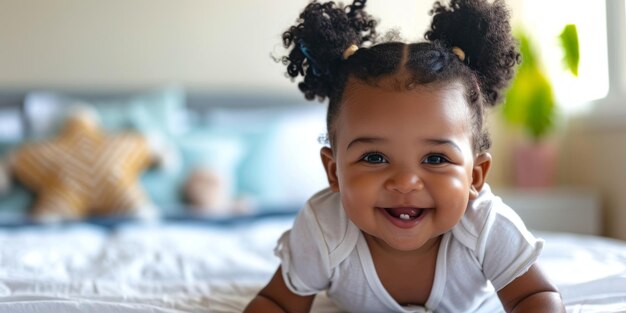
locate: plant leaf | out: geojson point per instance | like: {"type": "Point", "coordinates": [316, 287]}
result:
{"type": "Point", "coordinates": [541, 107]}
{"type": "Point", "coordinates": [530, 101]}
{"type": "Point", "coordinates": [571, 49]}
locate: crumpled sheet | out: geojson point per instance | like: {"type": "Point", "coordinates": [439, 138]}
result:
{"type": "Point", "coordinates": [187, 267]}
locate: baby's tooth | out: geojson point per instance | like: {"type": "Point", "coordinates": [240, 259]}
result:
{"type": "Point", "coordinates": [405, 216]}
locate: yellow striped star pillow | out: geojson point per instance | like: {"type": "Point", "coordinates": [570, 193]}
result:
{"type": "Point", "coordinates": [84, 171]}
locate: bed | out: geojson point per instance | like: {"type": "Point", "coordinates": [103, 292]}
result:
{"type": "Point", "coordinates": [185, 263]}
{"type": "Point", "coordinates": [218, 265]}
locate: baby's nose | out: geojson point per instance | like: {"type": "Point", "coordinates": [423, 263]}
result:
{"type": "Point", "coordinates": [404, 182]}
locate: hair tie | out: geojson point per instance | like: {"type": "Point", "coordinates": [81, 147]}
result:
{"type": "Point", "coordinates": [349, 51]}
{"type": "Point", "coordinates": [459, 53]}
{"type": "Point", "coordinates": [312, 63]}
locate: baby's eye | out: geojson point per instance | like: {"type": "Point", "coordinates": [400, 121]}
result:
{"type": "Point", "coordinates": [435, 159]}
{"type": "Point", "coordinates": [374, 158]}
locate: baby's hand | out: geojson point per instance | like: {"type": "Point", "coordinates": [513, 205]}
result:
{"type": "Point", "coordinates": [276, 297]}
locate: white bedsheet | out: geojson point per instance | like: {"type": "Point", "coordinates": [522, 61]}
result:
{"type": "Point", "coordinates": [197, 268]}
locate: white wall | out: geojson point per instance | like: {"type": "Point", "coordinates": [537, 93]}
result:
{"type": "Point", "coordinates": [201, 44]}
{"type": "Point", "coordinates": [593, 154]}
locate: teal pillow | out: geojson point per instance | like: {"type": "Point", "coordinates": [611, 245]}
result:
{"type": "Point", "coordinates": [157, 111]}
{"type": "Point", "coordinates": [6, 147]}
{"type": "Point", "coordinates": [16, 201]}
{"type": "Point", "coordinates": [281, 168]}
{"type": "Point", "coordinates": [215, 150]}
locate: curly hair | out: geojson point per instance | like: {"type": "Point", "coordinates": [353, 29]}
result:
{"type": "Point", "coordinates": [479, 28]}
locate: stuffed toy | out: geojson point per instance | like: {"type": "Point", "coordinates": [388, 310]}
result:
{"type": "Point", "coordinates": [84, 171]}
{"type": "Point", "coordinates": [206, 194]}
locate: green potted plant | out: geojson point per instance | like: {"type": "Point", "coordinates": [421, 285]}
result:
{"type": "Point", "coordinates": [530, 104]}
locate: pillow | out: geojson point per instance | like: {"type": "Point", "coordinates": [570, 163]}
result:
{"type": "Point", "coordinates": [157, 111]}
{"type": "Point", "coordinates": [14, 203]}
{"type": "Point", "coordinates": [14, 198]}
{"type": "Point", "coordinates": [201, 147]}
{"type": "Point", "coordinates": [11, 126]}
{"type": "Point", "coordinates": [209, 149]}
{"type": "Point", "coordinates": [84, 171]}
{"type": "Point", "coordinates": [281, 168]}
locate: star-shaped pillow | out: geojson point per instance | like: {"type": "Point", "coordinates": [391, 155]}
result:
{"type": "Point", "coordinates": [84, 171]}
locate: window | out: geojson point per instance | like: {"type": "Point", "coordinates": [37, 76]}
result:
{"type": "Point", "coordinates": [544, 21]}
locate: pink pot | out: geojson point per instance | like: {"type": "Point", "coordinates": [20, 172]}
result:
{"type": "Point", "coordinates": [535, 165]}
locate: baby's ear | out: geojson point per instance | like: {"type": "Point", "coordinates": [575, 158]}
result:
{"type": "Point", "coordinates": [330, 165]}
{"type": "Point", "coordinates": [482, 163]}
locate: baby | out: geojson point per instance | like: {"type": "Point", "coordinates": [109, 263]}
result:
{"type": "Point", "coordinates": [408, 223]}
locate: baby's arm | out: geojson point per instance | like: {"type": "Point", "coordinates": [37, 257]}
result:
{"type": "Point", "coordinates": [531, 292]}
{"type": "Point", "coordinates": [276, 297]}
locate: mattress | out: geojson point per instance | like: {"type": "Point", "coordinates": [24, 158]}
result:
{"type": "Point", "coordinates": [199, 267]}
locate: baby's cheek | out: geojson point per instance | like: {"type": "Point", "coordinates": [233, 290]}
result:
{"type": "Point", "coordinates": [352, 198]}
{"type": "Point", "coordinates": [359, 181]}
{"type": "Point", "coordinates": [461, 188]}
{"type": "Point", "coordinates": [453, 181]}
{"type": "Point", "coordinates": [454, 191]}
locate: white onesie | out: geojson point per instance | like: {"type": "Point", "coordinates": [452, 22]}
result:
{"type": "Point", "coordinates": [325, 251]}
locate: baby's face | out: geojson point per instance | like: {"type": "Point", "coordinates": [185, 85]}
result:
{"type": "Point", "coordinates": [403, 161]}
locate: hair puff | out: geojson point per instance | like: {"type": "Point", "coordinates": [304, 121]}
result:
{"type": "Point", "coordinates": [482, 30]}
{"type": "Point", "coordinates": [318, 40]}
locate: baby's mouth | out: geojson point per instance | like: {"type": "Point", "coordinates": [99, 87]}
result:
{"type": "Point", "coordinates": [405, 214]}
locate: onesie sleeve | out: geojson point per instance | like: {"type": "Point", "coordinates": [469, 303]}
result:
{"type": "Point", "coordinates": [509, 248]}
{"type": "Point", "coordinates": [304, 257]}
